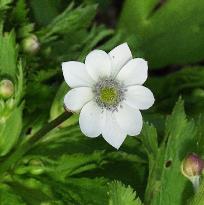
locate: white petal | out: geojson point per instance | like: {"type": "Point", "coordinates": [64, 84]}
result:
{"type": "Point", "coordinates": [139, 97]}
{"type": "Point", "coordinates": [112, 132]}
{"type": "Point", "coordinates": [91, 119]}
{"type": "Point", "coordinates": [75, 74]}
{"type": "Point", "coordinates": [120, 55]}
{"type": "Point", "coordinates": [77, 97]}
{"type": "Point", "coordinates": [98, 64]}
{"type": "Point", "coordinates": [129, 119]}
{"type": "Point", "coordinates": [134, 72]}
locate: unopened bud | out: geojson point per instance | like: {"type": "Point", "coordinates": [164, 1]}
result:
{"type": "Point", "coordinates": [6, 89]}
{"type": "Point", "coordinates": [37, 167]}
{"type": "Point", "coordinates": [192, 167]}
{"type": "Point", "coordinates": [31, 44]}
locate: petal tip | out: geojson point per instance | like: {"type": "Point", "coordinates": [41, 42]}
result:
{"type": "Point", "coordinates": [116, 146]}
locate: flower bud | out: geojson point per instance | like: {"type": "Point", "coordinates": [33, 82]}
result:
{"type": "Point", "coordinates": [192, 167]}
{"type": "Point", "coordinates": [36, 167]}
{"type": "Point", "coordinates": [6, 89]}
{"type": "Point", "coordinates": [31, 44]}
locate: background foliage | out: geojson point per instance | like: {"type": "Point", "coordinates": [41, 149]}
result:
{"type": "Point", "coordinates": [66, 168]}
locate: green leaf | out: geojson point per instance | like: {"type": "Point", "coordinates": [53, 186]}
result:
{"type": "Point", "coordinates": [90, 191]}
{"type": "Point", "coordinates": [165, 169]}
{"type": "Point", "coordinates": [20, 84]}
{"type": "Point", "coordinates": [9, 197]}
{"type": "Point", "coordinates": [20, 21]}
{"type": "Point", "coordinates": [161, 39]}
{"type": "Point", "coordinates": [119, 194]}
{"type": "Point", "coordinates": [150, 140]}
{"type": "Point", "coordinates": [81, 191]}
{"type": "Point", "coordinates": [187, 82]}
{"type": "Point", "coordinates": [20, 12]}
{"type": "Point", "coordinates": [4, 4]}
{"type": "Point", "coordinates": [41, 17]}
{"type": "Point", "coordinates": [69, 165]}
{"type": "Point", "coordinates": [8, 55]}
{"type": "Point", "coordinates": [10, 131]}
{"type": "Point", "coordinates": [31, 191]}
{"type": "Point", "coordinates": [67, 22]}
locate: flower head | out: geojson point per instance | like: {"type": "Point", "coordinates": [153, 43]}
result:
{"type": "Point", "coordinates": [107, 91]}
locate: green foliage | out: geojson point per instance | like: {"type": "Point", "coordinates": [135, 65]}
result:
{"type": "Point", "coordinates": [187, 82]}
{"type": "Point", "coordinates": [4, 4]}
{"type": "Point", "coordinates": [10, 130]}
{"type": "Point", "coordinates": [8, 55]}
{"type": "Point", "coordinates": [68, 21]}
{"type": "Point", "coordinates": [121, 195]}
{"type": "Point", "coordinates": [158, 37]}
{"type": "Point", "coordinates": [9, 197]}
{"type": "Point", "coordinates": [66, 167]}
{"type": "Point", "coordinates": [165, 166]}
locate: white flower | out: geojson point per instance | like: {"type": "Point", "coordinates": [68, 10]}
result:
{"type": "Point", "coordinates": [107, 91]}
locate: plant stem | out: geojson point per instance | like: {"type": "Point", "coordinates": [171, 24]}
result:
{"type": "Point", "coordinates": [196, 183]}
{"type": "Point", "coordinates": [28, 143]}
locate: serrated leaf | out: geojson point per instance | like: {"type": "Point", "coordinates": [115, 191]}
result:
{"type": "Point", "coordinates": [69, 21]}
{"type": "Point", "coordinates": [4, 4]}
{"type": "Point", "coordinates": [82, 191]}
{"type": "Point", "coordinates": [91, 191]}
{"type": "Point", "coordinates": [150, 140]}
{"type": "Point", "coordinates": [119, 194]}
{"type": "Point", "coordinates": [70, 165]}
{"type": "Point", "coordinates": [166, 170]}
{"type": "Point", "coordinates": [20, 12]}
{"type": "Point", "coordinates": [8, 55]}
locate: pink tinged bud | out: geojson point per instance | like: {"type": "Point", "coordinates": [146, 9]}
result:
{"type": "Point", "coordinates": [192, 167]}
{"type": "Point", "coordinates": [6, 89]}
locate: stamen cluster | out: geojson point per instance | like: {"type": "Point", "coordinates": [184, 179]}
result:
{"type": "Point", "coordinates": [109, 93]}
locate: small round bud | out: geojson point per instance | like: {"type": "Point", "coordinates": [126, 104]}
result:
{"type": "Point", "coordinates": [31, 44]}
{"type": "Point", "coordinates": [37, 167]}
{"type": "Point", "coordinates": [36, 162]}
{"type": "Point", "coordinates": [192, 165]}
{"type": "Point", "coordinates": [6, 89]}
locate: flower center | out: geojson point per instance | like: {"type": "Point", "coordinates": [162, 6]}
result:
{"type": "Point", "coordinates": [109, 93]}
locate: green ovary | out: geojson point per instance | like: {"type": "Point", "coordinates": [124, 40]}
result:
{"type": "Point", "coordinates": [108, 95]}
